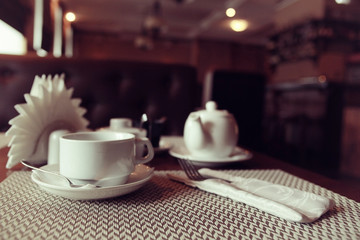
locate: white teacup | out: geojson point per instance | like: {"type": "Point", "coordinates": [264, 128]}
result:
{"type": "Point", "coordinates": [101, 158]}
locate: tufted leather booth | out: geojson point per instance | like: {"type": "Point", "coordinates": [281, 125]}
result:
{"type": "Point", "coordinates": [108, 88]}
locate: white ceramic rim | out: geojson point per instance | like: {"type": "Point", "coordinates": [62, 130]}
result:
{"type": "Point", "coordinates": [95, 137]}
{"type": "Point", "coordinates": [239, 154]}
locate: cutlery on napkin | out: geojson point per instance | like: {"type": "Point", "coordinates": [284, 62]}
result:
{"type": "Point", "coordinates": [288, 203]}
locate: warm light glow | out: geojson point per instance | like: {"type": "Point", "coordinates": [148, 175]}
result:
{"type": "Point", "coordinates": [239, 25]}
{"type": "Point", "coordinates": [322, 79]}
{"type": "Point", "coordinates": [70, 16]}
{"type": "Point", "coordinates": [342, 1]}
{"type": "Point", "coordinates": [11, 41]}
{"type": "Point", "coordinates": [230, 12]}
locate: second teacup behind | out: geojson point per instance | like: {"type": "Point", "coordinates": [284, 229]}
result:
{"type": "Point", "coordinates": [101, 158]}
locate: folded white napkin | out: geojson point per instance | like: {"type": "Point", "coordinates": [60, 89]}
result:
{"type": "Point", "coordinates": [285, 202]}
{"type": "Point", "coordinates": [4, 140]}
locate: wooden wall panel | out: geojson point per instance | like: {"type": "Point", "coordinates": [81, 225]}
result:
{"type": "Point", "coordinates": [205, 55]}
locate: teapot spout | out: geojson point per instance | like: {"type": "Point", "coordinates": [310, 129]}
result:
{"type": "Point", "coordinates": [194, 133]}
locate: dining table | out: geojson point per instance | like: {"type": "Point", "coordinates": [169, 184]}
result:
{"type": "Point", "coordinates": [167, 209]}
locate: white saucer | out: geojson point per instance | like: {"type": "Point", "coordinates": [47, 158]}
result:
{"type": "Point", "coordinates": [239, 154]}
{"type": "Point", "coordinates": [137, 179]}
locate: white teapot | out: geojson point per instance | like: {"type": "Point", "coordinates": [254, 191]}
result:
{"type": "Point", "coordinates": [211, 133]}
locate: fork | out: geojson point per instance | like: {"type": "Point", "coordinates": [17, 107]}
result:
{"type": "Point", "coordinates": [190, 170]}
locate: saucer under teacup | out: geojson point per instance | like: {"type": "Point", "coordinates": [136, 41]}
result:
{"type": "Point", "coordinates": [104, 182]}
{"type": "Point", "coordinates": [141, 175]}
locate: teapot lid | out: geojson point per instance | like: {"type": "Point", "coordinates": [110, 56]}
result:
{"type": "Point", "coordinates": [211, 108]}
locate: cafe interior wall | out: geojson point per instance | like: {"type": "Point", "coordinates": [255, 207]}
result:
{"type": "Point", "coordinates": [333, 64]}
{"type": "Point", "coordinates": [205, 55]}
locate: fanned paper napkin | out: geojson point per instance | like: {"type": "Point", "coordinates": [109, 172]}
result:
{"type": "Point", "coordinates": [285, 202]}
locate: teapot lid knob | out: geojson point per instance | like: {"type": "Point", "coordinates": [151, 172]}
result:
{"type": "Point", "coordinates": [211, 106]}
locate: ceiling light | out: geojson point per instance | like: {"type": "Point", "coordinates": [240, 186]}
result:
{"type": "Point", "coordinates": [342, 1]}
{"type": "Point", "coordinates": [239, 25]}
{"type": "Point", "coordinates": [70, 16]}
{"type": "Point", "coordinates": [154, 23]}
{"type": "Point", "coordinates": [143, 41]}
{"type": "Point", "coordinates": [230, 12]}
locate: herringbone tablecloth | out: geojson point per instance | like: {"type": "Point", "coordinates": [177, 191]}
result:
{"type": "Point", "coordinates": [163, 209]}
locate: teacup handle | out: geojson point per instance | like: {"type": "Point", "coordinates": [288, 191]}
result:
{"type": "Point", "coordinates": [150, 150]}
